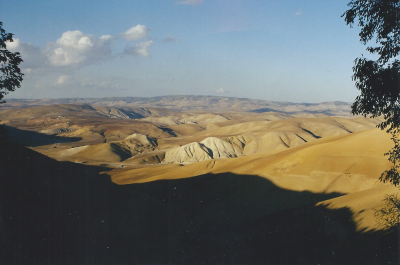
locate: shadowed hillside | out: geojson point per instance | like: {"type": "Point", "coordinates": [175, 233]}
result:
{"type": "Point", "coordinates": [32, 138]}
{"type": "Point", "coordinates": [61, 212]}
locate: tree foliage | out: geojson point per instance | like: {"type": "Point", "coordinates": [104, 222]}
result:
{"type": "Point", "coordinates": [379, 20]}
{"type": "Point", "coordinates": [11, 75]}
{"type": "Point", "coordinates": [379, 80]}
{"type": "Point", "coordinates": [388, 217]}
{"type": "Point", "coordinates": [392, 175]}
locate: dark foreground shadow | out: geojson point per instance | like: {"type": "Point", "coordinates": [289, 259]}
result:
{"type": "Point", "coordinates": [64, 213]}
{"type": "Point", "coordinates": [31, 138]}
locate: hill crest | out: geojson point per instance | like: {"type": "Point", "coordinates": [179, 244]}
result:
{"type": "Point", "coordinates": [194, 103]}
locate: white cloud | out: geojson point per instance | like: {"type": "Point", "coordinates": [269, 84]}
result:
{"type": "Point", "coordinates": [220, 90]}
{"type": "Point", "coordinates": [136, 33]}
{"type": "Point", "coordinates": [14, 45]}
{"type": "Point", "coordinates": [170, 39]}
{"type": "Point", "coordinates": [140, 49]}
{"type": "Point", "coordinates": [75, 40]}
{"type": "Point", "coordinates": [72, 50]}
{"type": "Point", "coordinates": [33, 57]}
{"type": "Point", "coordinates": [75, 48]}
{"type": "Point", "coordinates": [298, 13]}
{"type": "Point", "coordinates": [64, 79]}
{"type": "Point", "coordinates": [189, 2]}
{"type": "Point", "coordinates": [107, 38]}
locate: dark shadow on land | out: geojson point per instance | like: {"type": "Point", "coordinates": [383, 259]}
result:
{"type": "Point", "coordinates": [315, 112]}
{"type": "Point", "coordinates": [64, 213]}
{"type": "Point", "coordinates": [32, 139]}
{"type": "Point", "coordinates": [263, 110]}
{"type": "Point", "coordinates": [168, 130]}
{"type": "Point", "coordinates": [325, 112]}
{"type": "Point", "coordinates": [310, 132]}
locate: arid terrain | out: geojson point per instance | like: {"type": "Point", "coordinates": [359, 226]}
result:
{"type": "Point", "coordinates": [192, 179]}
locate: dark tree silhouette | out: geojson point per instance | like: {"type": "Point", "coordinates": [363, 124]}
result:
{"type": "Point", "coordinates": [11, 76]}
{"type": "Point", "coordinates": [379, 80]}
{"type": "Point", "coordinates": [379, 83]}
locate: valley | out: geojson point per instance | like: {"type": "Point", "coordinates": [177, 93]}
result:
{"type": "Point", "coordinates": [250, 166]}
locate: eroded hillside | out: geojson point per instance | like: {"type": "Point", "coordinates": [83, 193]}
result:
{"type": "Point", "coordinates": [146, 136]}
{"type": "Point", "coordinates": [229, 179]}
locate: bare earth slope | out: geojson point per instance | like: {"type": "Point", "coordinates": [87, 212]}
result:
{"type": "Point", "coordinates": [344, 164]}
{"type": "Point", "coordinates": [239, 182]}
{"type": "Point", "coordinates": [60, 213]}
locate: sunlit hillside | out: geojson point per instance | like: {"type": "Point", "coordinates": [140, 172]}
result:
{"type": "Point", "coordinates": [220, 187]}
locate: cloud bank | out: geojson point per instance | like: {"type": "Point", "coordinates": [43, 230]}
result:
{"type": "Point", "coordinates": [75, 49]}
{"type": "Point", "coordinates": [136, 33]}
{"type": "Point", "coordinates": [140, 49]}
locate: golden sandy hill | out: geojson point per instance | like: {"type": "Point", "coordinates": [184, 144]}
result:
{"type": "Point", "coordinates": [252, 185]}
{"type": "Point", "coordinates": [346, 164]}
{"type": "Point", "coordinates": [313, 152]}
{"type": "Point", "coordinates": [298, 204]}
{"type": "Point", "coordinates": [209, 148]}
{"type": "Point", "coordinates": [114, 151]}
{"type": "Point", "coordinates": [52, 129]}
{"type": "Point", "coordinates": [190, 143]}
{"type": "Point", "coordinates": [337, 156]}
{"type": "Point", "coordinates": [266, 136]}
{"type": "Point", "coordinates": [201, 119]}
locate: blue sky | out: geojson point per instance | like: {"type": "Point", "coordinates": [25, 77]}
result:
{"type": "Point", "coordinates": [281, 50]}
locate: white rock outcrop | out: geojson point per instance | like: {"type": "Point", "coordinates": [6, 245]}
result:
{"type": "Point", "coordinates": [193, 152]}
{"type": "Point", "coordinates": [220, 148]}
{"type": "Point", "coordinates": [209, 148]}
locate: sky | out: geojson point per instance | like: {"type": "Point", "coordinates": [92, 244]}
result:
{"type": "Point", "coordinates": [279, 50]}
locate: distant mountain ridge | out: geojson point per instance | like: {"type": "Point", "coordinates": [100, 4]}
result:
{"type": "Point", "coordinates": [194, 103]}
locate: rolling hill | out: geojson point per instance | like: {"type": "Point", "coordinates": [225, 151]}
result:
{"type": "Point", "coordinates": [194, 103]}
{"type": "Point", "coordinates": [69, 213]}
{"type": "Point", "coordinates": [165, 180]}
